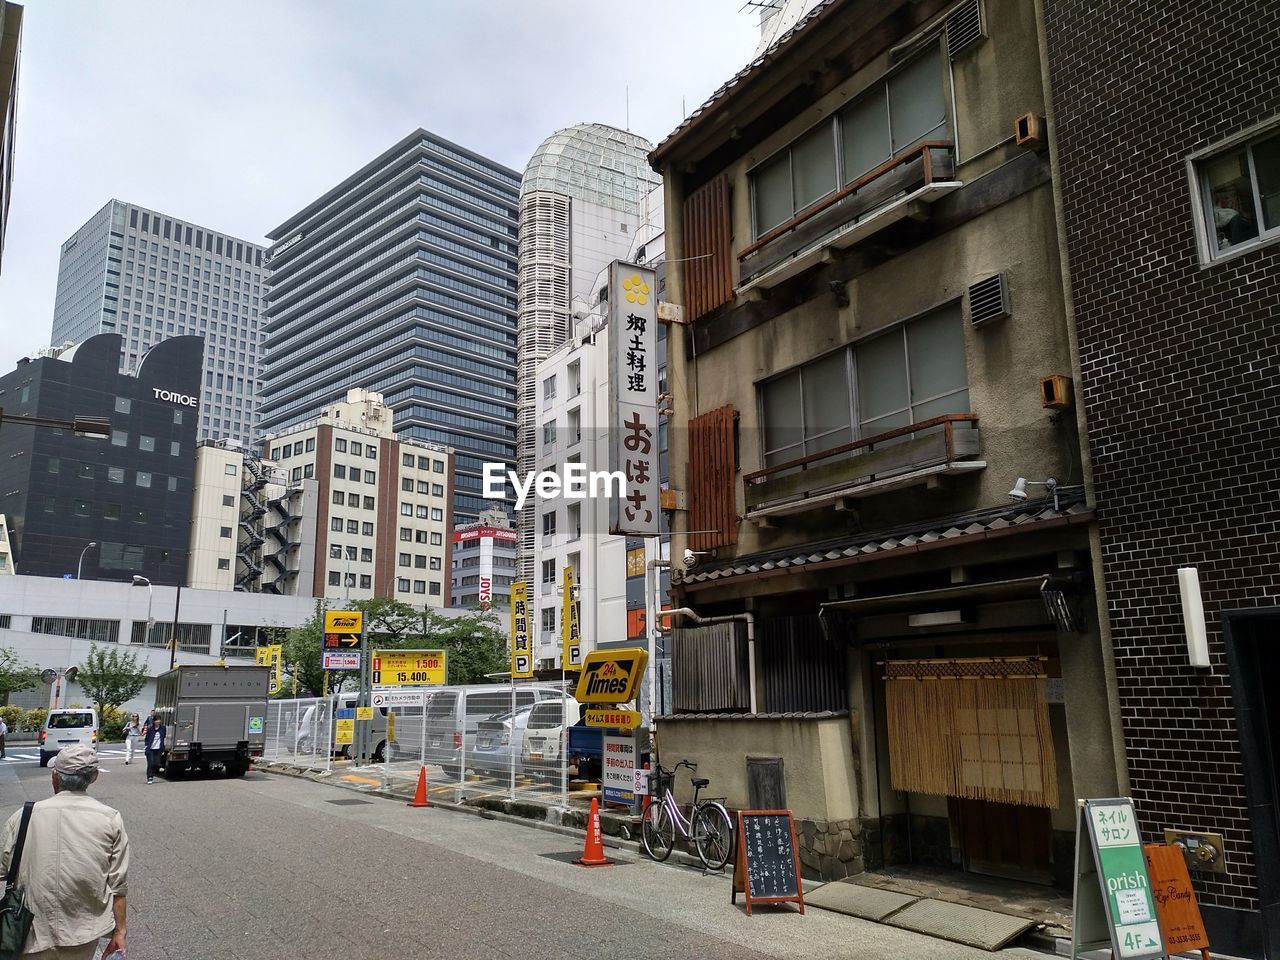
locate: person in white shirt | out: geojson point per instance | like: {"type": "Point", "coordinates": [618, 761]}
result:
{"type": "Point", "coordinates": [132, 730]}
{"type": "Point", "coordinates": [4, 732]}
{"type": "Point", "coordinates": [75, 865]}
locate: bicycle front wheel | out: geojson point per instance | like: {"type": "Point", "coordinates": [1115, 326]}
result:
{"type": "Point", "coordinates": [658, 832]}
{"type": "Point", "coordinates": [713, 835]}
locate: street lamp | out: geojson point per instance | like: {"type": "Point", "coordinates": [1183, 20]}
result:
{"type": "Point", "coordinates": [80, 565]}
{"type": "Point", "coordinates": [141, 581]}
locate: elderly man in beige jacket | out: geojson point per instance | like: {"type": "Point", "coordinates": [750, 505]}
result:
{"type": "Point", "coordinates": [74, 865]}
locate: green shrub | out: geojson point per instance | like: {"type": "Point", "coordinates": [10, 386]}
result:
{"type": "Point", "coordinates": [111, 724]}
{"type": "Point", "coordinates": [12, 717]}
{"type": "Point", "coordinates": [34, 719]}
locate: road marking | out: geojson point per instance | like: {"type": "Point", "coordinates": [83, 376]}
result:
{"type": "Point", "coordinates": [354, 779]}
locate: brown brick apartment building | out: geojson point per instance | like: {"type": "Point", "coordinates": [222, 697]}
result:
{"type": "Point", "coordinates": [1167, 127]}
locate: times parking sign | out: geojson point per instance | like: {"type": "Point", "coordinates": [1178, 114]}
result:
{"type": "Point", "coordinates": [408, 668]}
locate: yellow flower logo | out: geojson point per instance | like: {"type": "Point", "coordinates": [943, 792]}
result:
{"type": "Point", "coordinates": [637, 290]}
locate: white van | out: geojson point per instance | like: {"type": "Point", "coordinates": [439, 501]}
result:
{"type": "Point", "coordinates": [67, 727]}
{"type": "Point", "coordinates": [313, 723]}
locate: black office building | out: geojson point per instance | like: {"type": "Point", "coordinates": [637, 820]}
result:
{"type": "Point", "coordinates": [130, 494]}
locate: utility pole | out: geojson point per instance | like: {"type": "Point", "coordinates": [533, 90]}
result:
{"type": "Point", "coordinates": [173, 639]}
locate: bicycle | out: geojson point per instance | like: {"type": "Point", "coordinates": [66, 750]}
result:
{"type": "Point", "coordinates": [709, 825]}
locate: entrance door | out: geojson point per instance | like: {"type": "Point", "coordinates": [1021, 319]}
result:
{"type": "Point", "coordinates": [1004, 839]}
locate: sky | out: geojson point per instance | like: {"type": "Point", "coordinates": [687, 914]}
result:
{"type": "Point", "coordinates": [234, 115]}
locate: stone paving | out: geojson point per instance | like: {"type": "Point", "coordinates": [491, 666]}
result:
{"type": "Point", "coordinates": [271, 867]}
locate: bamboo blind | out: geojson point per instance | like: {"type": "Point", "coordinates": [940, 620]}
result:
{"type": "Point", "coordinates": [973, 728]}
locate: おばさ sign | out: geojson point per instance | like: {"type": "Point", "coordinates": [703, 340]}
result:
{"type": "Point", "coordinates": [633, 398]}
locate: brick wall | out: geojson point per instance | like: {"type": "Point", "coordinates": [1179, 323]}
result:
{"type": "Point", "coordinates": [1180, 368]}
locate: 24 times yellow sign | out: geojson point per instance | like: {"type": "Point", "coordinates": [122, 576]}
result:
{"type": "Point", "coordinates": [611, 676]}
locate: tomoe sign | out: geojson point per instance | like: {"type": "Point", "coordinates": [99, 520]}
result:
{"type": "Point", "coordinates": [172, 396]}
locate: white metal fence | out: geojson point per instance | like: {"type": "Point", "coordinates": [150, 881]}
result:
{"type": "Point", "coordinates": [300, 732]}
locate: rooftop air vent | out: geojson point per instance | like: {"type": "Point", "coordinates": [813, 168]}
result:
{"type": "Point", "coordinates": [964, 28]}
{"type": "Point", "coordinates": [988, 299]}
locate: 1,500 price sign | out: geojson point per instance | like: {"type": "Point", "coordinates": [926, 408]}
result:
{"type": "Point", "coordinates": [408, 668]}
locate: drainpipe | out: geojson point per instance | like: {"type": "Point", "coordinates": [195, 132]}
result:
{"type": "Point", "coordinates": [652, 584]}
{"type": "Point", "coordinates": [750, 619]}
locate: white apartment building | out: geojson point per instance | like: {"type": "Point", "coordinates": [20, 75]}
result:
{"type": "Point", "coordinates": [252, 527]}
{"type": "Point", "coordinates": [384, 510]}
{"type": "Point", "coordinates": [617, 576]}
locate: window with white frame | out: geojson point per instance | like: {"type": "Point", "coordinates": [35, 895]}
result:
{"type": "Point", "coordinates": [911, 373]}
{"type": "Point", "coordinates": [893, 115]}
{"type": "Point", "coordinates": [1239, 191]}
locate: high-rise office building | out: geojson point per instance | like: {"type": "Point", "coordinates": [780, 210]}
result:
{"type": "Point", "coordinates": [402, 280]}
{"type": "Point", "coordinates": [148, 276]}
{"type": "Point", "coordinates": [10, 54]}
{"type": "Point", "coordinates": [579, 209]}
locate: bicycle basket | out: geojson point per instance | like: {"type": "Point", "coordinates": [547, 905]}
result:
{"type": "Point", "coordinates": [660, 783]}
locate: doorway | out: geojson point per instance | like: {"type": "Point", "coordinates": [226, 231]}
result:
{"type": "Point", "coordinates": [1006, 840]}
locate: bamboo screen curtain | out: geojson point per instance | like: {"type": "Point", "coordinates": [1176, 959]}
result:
{"type": "Point", "coordinates": [974, 728]}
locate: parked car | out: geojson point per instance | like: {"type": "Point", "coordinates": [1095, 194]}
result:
{"type": "Point", "coordinates": [454, 715]}
{"type": "Point", "coordinates": [314, 723]}
{"type": "Point", "coordinates": [67, 727]}
{"type": "Point", "coordinates": [500, 742]}
{"type": "Point", "coordinates": [544, 736]}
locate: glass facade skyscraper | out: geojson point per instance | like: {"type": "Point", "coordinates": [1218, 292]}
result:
{"type": "Point", "coordinates": [148, 277]}
{"type": "Point", "coordinates": [402, 280]}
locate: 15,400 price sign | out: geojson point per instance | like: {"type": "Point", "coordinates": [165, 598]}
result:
{"type": "Point", "coordinates": [408, 668]}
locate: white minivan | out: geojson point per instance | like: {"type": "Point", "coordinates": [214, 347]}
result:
{"type": "Point", "coordinates": [67, 727]}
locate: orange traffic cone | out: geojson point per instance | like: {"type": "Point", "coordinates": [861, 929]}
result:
{"type": "Point", "coordinates": [593, 850]}
{"type": "Point", "coordinates": [420, 797]}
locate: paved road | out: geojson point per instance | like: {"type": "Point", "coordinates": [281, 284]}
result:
{"type": "Point", "coordinates": [271, 867]}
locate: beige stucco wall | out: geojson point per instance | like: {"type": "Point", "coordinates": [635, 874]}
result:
{"type": "Point", "coordinates": [817, 760]}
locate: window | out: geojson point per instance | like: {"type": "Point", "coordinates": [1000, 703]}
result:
{"type": "Point", "coordinates": [224, 533]}
{"type": "Point", "coordinates": [368, 503]}
{"type": "Point", "coordinates": [81, 508]}
{"type": "Point", "coordinates": [340, 471]}
{"type": "Point", "coordinates": [437, 539]}
{"type": "Point", "coordinates": [228, 500]}
{"type": "Point", "coordinates": [406, 534]}
{"type": "Point", "coordinates": [548, 571]}
{"type": "Point", "coordinates": [407, 459]}
{"type": "Point", "coordinates": [549, 524]}
{"type": "Point", "coordinates": [54, 465]}
{"type": "Point", "coordinates": [420, 561]}
{"type": "Point", "coordinates": [335, 551]}
{"type": "Point", "coordinates": [339, 497]}
{"type": "Point", "coordinates": [437, 466]}
{"type": "Point", "coordinates": [111, 511]}
{"type": "Point", "coordinates": [367, 529]}
{"type": "Point", "coordinates": [352, 553]}
{"type": "Point", "coordinates": [311, 444]}
{"type": "Point", "coordinates": [437, 513]}
{"type": "Point", "coordinates": [405, 560]}
{"type": "Point", "coordinates": [889, 118]}
{"type": "Point", "coordinates": [354, 474]}
{"type": "Point", "coordinates": [911, 373]}
{"type": "Point", "coordinates": [549, 620]}
{"type": "Point", "coordinates": [85, 470]}
{"type": "Point", "coordinates": [419, 586]}
{"type": "Point", "coordinates": [115, 474]}
{"type": "Point", "coordinates": [371, 452]}
{"type": "Point", "coordinates": [119, 438]}
{"type": "Point", "coordinates": [402, 585]}
{"type": "Point", "coordinates": [295, 475]}
{"type": "Point", "coordinates": [175, 448]}
{"type": "Point", "coordinates": [123, 404]}
{"type": "Point", "coordinates": [549, 433]}
{"type": "Point", "coordinates": [366, 581]}
{"type": "Point", "coordinates": [143, 479]}
{"type": "Point", "coordinates": [435, 588]}
{"type": "Point", "coordinates": [369, 477]}
{"type": "Point", "coordinates": [224, 564]}
{"type": "Point", "coordinates": [437, 490]}
{"type": "Point", "coordinates": [340, 445]}
{"type": "Point", "coordinates": [549, 388]}
{"type": "Point", "coordinates": [420, 536]}
{"type": "Point", "coordinates": [356, 448]}
{"type": "Point", "coordinates": [1239, 192]}
{"type": "Point", "coordinates": [335, 578]}
{"type": "Point", "coordinates": [406, 485]}
{"type": "Point", "coordinates": [353, 526]}
{"type": "Point", "coordinates": [335, 524]}
{"type": "Point", "coordinates": [148, 445]}
{"type": "Point", "coordinates": [424, 463]}
{"type": "Point", "coordinates": [406, 509]}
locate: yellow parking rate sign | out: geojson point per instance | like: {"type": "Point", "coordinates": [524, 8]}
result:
{"type": "Point", "coordinates": [408, 668]}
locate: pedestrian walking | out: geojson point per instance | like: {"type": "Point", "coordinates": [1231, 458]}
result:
{"type": "Point", "coordinates": [73, 865]}
{"type": "Point", "coordinates": [154, 745]}
{"type": "Point", "coordinates": [4, 732]}
{"type": "Point", "coordinates": [132, 730]}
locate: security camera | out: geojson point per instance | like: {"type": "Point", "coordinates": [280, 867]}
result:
{"type": "Point", "coordinates": [691, 558]}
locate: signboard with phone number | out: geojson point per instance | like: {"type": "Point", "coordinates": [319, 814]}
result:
{"type": "Point", "coordinates": [408, 668]}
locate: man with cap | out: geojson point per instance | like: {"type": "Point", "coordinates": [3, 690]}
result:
{"type": "Point", "coordinates": [74, 865]}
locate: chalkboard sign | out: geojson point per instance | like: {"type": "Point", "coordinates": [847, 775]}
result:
{"type": "Point", "coordinates": [768, 867]}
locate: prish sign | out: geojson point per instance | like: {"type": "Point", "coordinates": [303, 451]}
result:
{"type": "Point", "coordinates": [633, 398]}
{"type": "Point", "coordinates": [172, 396]}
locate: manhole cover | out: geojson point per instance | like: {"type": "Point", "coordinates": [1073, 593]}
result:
{"type": "Point", "coordinates": [348, 802]}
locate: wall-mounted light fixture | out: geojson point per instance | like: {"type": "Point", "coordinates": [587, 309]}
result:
{"type": "Point", "coordinates": [1193, 617]}
{"type": "Point", "coordinates": [1019, 491]}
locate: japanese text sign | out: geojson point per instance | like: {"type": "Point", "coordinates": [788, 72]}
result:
{"type": "Point", "coordinates": [633, 398]}
{"type": "Point", "coordinates": [521, 639]}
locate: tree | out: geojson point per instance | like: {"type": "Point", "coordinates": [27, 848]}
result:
{"type": "Point", "coordinates": [302, 649]}
{"type": "Point", "coordinates": [111, 677]}
{"type": "Point", "coordinates": [15, 675]}
{"type": "Point", "coordinates": [475, 643]}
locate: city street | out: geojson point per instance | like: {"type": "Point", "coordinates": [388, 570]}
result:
{"type": "Point", "coordinates": [269, 867]}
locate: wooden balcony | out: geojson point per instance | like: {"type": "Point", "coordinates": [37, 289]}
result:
{"type": "Point", "coordinates": [899, 189]}
{"type": "Point", "coordinates": [918, 454]}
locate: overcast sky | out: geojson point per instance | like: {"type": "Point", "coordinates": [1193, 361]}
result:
{"type": "Point", "coordinates": [236, 114]}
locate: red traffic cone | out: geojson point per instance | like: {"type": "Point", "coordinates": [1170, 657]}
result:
{"type": "Point", "coordinates": [420, 796]}
{"type": "Point", "coordinates": [593, 850]}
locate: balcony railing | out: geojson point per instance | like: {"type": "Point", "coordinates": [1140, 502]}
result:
{"type": "Point", "coordinates": [895, 190]}
{"type": "Point", "coordinates": [907, 456]}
